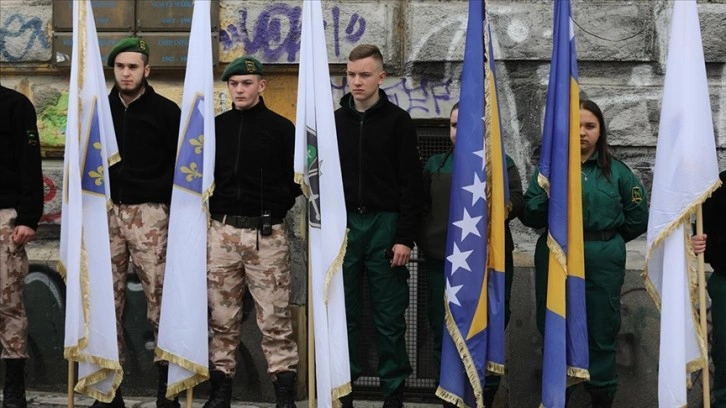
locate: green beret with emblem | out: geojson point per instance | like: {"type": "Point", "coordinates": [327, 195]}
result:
{"type": "Point", "coordinates": [129, 44]}
{"type": "Point", "coordinates": [243, 66]}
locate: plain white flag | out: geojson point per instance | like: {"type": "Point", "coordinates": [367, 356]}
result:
{"type": "Point", "coordinates": [685, 174]}
{"type": "Point", "coordinates": [317, 169]}
{"type": "Point", "coordinates": [183, 336]}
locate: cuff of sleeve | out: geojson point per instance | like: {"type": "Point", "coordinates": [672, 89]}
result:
{"type": "Point", "coordinates": [408, 242]}
{"type": "Point", "coordinates": [31, 222]}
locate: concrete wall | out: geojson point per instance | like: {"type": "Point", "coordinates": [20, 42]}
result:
{"type": "Point", "coordinates": [622, 47]}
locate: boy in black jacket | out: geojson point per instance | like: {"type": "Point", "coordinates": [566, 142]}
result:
{"type": "Point", "coordinates": [147, 130]}
{"type": "Point", "coordinates": [21, 205]}
{"type": "Point", "coordinates": [383, 187]}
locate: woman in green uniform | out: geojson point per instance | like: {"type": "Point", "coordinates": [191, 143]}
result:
{"type": "Point", "coordinates": [437, 183]}
{"type": "Point", "coordinates": [614, 211]}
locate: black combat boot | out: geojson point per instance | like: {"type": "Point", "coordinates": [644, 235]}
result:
{"type": "Point", "coordinates": [161, 400]}
{"type": "Point", "coordinates": [346, 401]}
{"type": "Point", "coordinates": [602, 397]}
{"type": "Point", "coordinates": [489, 394]}
{"type": "Point", "coordinates": [568, 395]}
{"type": "Point", "coordinates": [117, 402]}
{"type": "Point", "coordinates": [395, 400]}
{"type": "Point", "coordinates": [14, 391]}
{"type": "Point", "coordinates": [220, 394]}
{"type": "Point", "coordinates": [285, 389]}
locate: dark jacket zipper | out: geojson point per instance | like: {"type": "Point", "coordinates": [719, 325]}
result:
{"type": "Point", "coordinates": [123, 154]}
{"type": "Point", "coordinates": [361, 207]}
{"type": "Point", "coordinates": [236, 160]}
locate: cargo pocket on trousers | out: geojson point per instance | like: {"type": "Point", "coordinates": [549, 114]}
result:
{"type": "Point", "coordinates": [615, 318]}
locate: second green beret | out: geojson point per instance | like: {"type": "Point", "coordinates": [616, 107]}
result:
{"type": "Point", "coordinates": [130, 44]}
{"type": "Point", "coordinates": [243, 66]}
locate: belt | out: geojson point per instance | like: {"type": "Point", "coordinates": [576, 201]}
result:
{"type": "Point", "coordinates": [605, 235]}
{"type": "Point", "coordinates": [240, 221]}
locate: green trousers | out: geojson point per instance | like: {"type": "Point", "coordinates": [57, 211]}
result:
{"type": "Point", "coordinates": [717, 292]}
{"type": "Point", "coordinates": [437, 285]}
{"type": "Point", "coordinates": [604, 277]}
{"type": "Point", "coordinates": [368, 236]}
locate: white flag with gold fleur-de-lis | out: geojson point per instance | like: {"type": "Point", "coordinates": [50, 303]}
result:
{"type": "Point", "coordinates": [90, 325]}
{"type": "Point", "coordinates": [183, 321]}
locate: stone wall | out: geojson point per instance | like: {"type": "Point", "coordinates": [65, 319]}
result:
{"type": "Point", "coordinates": [622, 47]}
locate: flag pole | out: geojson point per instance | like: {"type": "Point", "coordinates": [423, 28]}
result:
{"type": "Point", "coordinates": [190, 394]}
{"type": "Point", "coordinates": [71, 376]}
{"type": "Point", "coordinates": [702, 307]}
{"type": "Point", "coordinates": [311, 334]}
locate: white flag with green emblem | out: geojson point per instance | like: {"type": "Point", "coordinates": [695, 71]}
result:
{"type": "Point", "coordinates": [317, 169]}
{"type": "Point", "coordinates": [183, 336]}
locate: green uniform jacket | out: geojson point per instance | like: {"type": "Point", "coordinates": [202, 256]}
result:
{"type": "Point", "coordinates": [617, 209]}
{"type": "Point", "coordinates": [618, 204]}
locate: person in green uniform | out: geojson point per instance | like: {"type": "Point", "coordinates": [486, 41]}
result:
{"type": "Point", "coordinates": [714, 228]}
{"type": "Point", "coordinates": [437, 186]}
{"type": "Point", "coordinates": [614, 211]}
{"type": "Point", "coordinates": [381, 171]}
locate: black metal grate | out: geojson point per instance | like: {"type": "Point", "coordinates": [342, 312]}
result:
{"type": "Point", "coordinates": [433, 139]}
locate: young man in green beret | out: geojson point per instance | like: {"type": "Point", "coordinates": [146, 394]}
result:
{"type": "Point", "coordinates": [247, 240]}
{"type": "Point", "coordinates": [147, 130]}
{"type": "Point", "coordinates": [21, 205]}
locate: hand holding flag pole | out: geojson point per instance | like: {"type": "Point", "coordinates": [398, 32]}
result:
{"type": "Point", "coordinates": [71, 379]}
{"type": "Point", "coordinates": [702, 308]}
{"type": "Point", "coordinates": [311, 338]}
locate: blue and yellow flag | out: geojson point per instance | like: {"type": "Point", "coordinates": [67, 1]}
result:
{"type": "Point", "coordinates": [566, 358]}
{"type": "Point", "coordinates": [473, 341]}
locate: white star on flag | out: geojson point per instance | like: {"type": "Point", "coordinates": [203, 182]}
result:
{"type": "Point", "coordinates": [451, 292]}
{"type": "Point", "coordinates": [468, 225]}
{"type": "Point", "coordinates": [458, 260]}
{"type": "Point", "coordinates": [481, 153]}
{"type": "Point", "coordinates": [477, 190]}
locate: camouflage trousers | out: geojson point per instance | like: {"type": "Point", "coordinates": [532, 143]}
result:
{"type": "Point", "coordinates": [13, 268]}
{"type": "Point", "coordinates": [233, 261]}
{"type": "Point", "coordinates": [138, 232]}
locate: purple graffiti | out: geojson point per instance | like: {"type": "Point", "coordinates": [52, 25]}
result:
{"type": "Point", "coordinates": [411, 98]}
{"type": "Point", "coordinates": [336, 29]}
{"type": "Point", "coordinates": [355, 36]}
{"type": "Point", "coordinates": [419, 97]}
{"type": "Point", "coordinates": [351, 35]}
{"type": "Point", "coordinates": [275, 34]}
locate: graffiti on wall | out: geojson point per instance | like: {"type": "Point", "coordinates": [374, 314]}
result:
{"type": "Point", "coordinates": [51, 197]}
{"type": "Point", "coordinates": [21, 36]}
{"type": "Point", "coordinates": [52, 121]}
{"type": "Point", "coordinates": [275, 33]}
{"type": "Point", "coordinates": [421, 98]}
